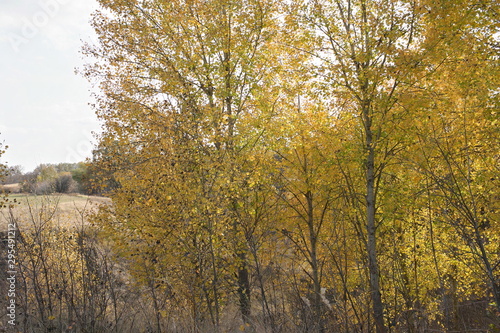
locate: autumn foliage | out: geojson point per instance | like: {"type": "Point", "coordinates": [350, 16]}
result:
{"type": "Point", "coordinates": [304, 165]}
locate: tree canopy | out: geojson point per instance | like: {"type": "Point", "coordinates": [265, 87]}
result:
{"type": "Point", "coordinates": [329, 165]}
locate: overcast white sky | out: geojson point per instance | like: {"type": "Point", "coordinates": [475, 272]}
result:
{"type": "Point", "coordinates": [44, 112]}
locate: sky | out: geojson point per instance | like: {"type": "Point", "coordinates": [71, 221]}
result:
{"type": "Point", "coordinates": [45, 115]}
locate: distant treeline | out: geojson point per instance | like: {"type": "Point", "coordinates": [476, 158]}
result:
{"type": "Point", "coordinates": [52, 178]}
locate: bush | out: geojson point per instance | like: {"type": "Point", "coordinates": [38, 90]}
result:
{"type": "Point", "coordinates": [65, 184]}
{"type": "Point", "coordinates": [45, 187]}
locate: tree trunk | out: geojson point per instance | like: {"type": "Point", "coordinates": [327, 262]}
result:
{"type": "Point", "coordinates": [371, 245]}
{"type": "Point", "coordinates": [313, 238]}
{"type": "Point", "coordinates": [244, 289]}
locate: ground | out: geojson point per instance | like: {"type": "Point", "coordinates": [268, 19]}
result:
{"type": "Point", "coordinates": [68, 209]}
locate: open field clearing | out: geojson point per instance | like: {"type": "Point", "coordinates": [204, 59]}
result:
{"type": "Point", "coordinates": [11, 188]}
{"type": "Point", "coordinates": [67, 209]}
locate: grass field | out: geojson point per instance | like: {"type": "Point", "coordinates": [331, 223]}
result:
{"type": "Point", "coordinates": [67, 209]}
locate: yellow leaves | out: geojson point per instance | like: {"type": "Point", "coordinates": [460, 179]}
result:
{"type": "Point", "coordinates": [244, 327]}
{"type": "Point", "coordinates": [222, 140]}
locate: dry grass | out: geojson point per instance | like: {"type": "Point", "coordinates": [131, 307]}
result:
{"type": "Point", "coordinates": [68, 209]}
{"type": "Point", "coordinates": [10, 188]}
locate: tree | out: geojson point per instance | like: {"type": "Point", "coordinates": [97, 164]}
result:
{"type": "Point", "coordinates": [358, 208]}
{"type": "Point", "coordinates": [64, 183]}
{"type": "Point", "coordinates": [177, 80]}
{"type": "Point", "coordinates": [457, 152]}
{"type": "Point", "coordinates": [367, 57]}
{"type": "Point", "coordinates": [15, 175]}
{"type": "Point", "coordinates": [3, 174]}
{"type": "Point", "coordinates": [371, 58]}
{"type": "Point", "coordinates": [306, 190]}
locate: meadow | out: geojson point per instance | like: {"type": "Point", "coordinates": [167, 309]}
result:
{"type": "Point", "coordinates": [67, 209]}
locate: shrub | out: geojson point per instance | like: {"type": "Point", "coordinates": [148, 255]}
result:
{"type": "Point", "coordinates": [45, 187]}
{"type": "Point", "coordinates": [65, 184]}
